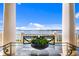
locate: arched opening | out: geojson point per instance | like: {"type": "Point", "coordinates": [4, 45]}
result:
{"type": "Point", "coordinates": [38, 16]}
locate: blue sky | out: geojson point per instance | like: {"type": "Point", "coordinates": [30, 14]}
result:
{"type": "Point", "coordinates": [39, 15]}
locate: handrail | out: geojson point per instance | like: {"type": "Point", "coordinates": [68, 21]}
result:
{"type": "Point", "coordinates": [70, 48]}
{"type": "Point", "coordinates": [25, 40]}
{"type": "Point", "coordinates": [5, 48]}
{"type": "Point", "coordinates": [8, 48]}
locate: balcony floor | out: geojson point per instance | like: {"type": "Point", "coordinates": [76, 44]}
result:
{"type": "Point", "coordinates": [27, 50]}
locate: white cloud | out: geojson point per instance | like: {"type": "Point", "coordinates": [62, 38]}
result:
{"type": "Point", "coordinates": [77, 26]}
{"type": "Point", "coordinates": [77, 15]}
{"type": "Point", "coordinates": [21, 28]}
{"type": "Point", "coordinates": [1, 28]}
{"type": "Point", "coordinates": [37, 26]}
{"type": "Point", "coordinates": [1, 21]}
{"type": "Point", "coordinates": [19, 3]}
{"type": "Point", "coordinates": [1, 25]}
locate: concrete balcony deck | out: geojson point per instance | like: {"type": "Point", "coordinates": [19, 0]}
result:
{"type": "Point", "coordinates": [27, 50]}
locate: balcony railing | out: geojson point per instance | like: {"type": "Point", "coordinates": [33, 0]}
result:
{"type": "Point", "coordinates": [14, 48]}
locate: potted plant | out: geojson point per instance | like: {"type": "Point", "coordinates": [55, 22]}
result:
{"type": "Point", "coordinates": [39, 42]}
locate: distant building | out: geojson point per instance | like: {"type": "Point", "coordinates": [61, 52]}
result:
{"type": "Point", "coordinates": [46, 33]}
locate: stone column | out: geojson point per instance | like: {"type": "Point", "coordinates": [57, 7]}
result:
{"type": "Point", "coordinates": [9, 32]}
{"type": "Point", "coordinates": [68, 26]}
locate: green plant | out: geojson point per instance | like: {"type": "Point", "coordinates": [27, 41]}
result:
{"type": "Point", "coordinates": [39, 42]}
